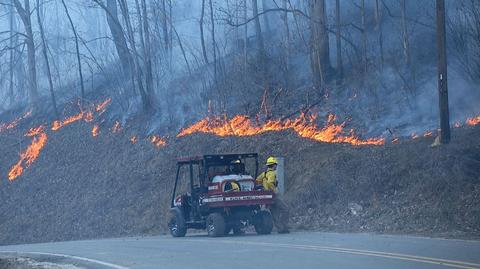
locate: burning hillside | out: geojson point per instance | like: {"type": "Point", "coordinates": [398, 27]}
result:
{"type": "Point", "coordinates": [305, 126]}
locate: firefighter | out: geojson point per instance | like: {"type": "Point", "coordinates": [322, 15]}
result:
{"type": "Point", "coordinates": [279, 210]}
{"type": "Point", "coordinates": [232, 186]}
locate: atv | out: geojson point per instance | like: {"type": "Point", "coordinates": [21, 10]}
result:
{"type": "Point", "coordinates": [216, 193]}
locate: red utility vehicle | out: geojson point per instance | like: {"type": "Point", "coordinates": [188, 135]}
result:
{"type": "Point", "coordinates": [218, 193]}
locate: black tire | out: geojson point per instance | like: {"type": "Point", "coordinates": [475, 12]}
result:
{"type": "Point", "coordinates": [216, 225]}
{"type": "Point", "coordinates": [263, 222]}
{"type": "Point", "coordinates": [177, 225]}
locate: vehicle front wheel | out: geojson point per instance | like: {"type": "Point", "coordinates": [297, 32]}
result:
{"type": "Point", "coordinates": [177, 226]}
{"type": "Point", "coordinates": [263, 222]}
{"type": "Point", "coordinates": [215, 225]}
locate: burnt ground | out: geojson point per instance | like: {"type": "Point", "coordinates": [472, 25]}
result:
{"type": "Point", "coordinates": [89, 187]}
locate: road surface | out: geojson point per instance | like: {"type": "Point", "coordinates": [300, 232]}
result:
{"type": "Point", "coordinates": [286, 251]}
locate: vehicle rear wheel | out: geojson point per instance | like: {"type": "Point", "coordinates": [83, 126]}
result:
{"type": "Point", "coordinates": [215, 225]}
{"type": "Point", "coordinates": [263, 222]}
{"type": "Point", "coordinates": [177, 226]}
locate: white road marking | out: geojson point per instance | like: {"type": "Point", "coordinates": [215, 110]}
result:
{"type": "Point", "coordinates": [115, 266]}
{"type": "Point", "coordinates": [389, 255]}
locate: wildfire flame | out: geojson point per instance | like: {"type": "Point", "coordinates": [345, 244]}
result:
{"type": "Point", "coordinates": [304, 126]}
{"type": "Point", "coordinates": [15, 122]}
{"type": "Point", "coordinates": [57, 125]}
{"type": "Point", "coordinates": [100, 108]}
{"type": "Point", "coordinates": [428, 134]}
{"type": "Point", "coordinates": [32, 152]}
{"type": "Point", "coordinates": [40, 137]}
{"type": "Point", "coordinates": [95, 130]}
{"type": "Point", "coordinates": [473, 121]}
{"type": "Point", "coordinates": [158, 141]}
{"type": "Point", "coordinates": [116, 127]}
{"type": "Point", "coordinates": [88, 116]}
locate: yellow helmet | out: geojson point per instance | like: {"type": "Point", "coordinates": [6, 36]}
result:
{"type": "Point", "coordinates": [271, 161]}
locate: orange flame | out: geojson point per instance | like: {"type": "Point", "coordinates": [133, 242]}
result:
{"type": "Point", "coordinates": [415, 136]}
{"type": "Point", "coordinates": [85, 115]}
{"type": "Point", "coordinates": [116, 127]}
{"type": "Point", "coordinates": [304, 126]}
{"type": "Point", "coordinates": [88, 116]}
{"type": "Point", "coordinates": [473, 121]}
{"type": "Point", "coordinates": [15, 122]}
{"type": "Point", "coordinates": [101, 107]}
{"type": "Point", "coordinates": [69, 120]}
{"type": "Point", "coordinates": [428, 134]}
{"type": "Point", "coordinates": [95, 130]}
{"type": "Point", "coordinates": [31, 153]}
{"type": "Point", "coordinates": [133, 139]}
{"type": "Point", "coordinates": [158, 141]}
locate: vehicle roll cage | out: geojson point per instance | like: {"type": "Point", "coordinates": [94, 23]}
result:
{"type": "Point", "coordinates": [204, 162]}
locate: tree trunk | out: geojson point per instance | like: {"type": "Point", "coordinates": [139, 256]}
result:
{"type": "Point", "coordinates": [260, 42]}
{"type": "Point", "coordinates": [286, 44]}
{"type": "Point", "coordinates": [320, 52]}
{"type": "Point", "coordinates": [118, 36]}
{"type": "Point", "coordinates": [147, 105]}
{"type": "Point", "coordinates": [378, 20]}
{"type": "Point", "coordinates": [12, 53]}
{"type": "Point", "coordinates": [147, 54]}
{"type": "Point", "coordinates": [405, 43]}
{"type": "Point", "coordinates": [24, 13]}
{"type": "Point", "coordinates": [245, 42]}
{"type": "Point", "coordinates": [202, 37]}
{"type": "Point", "coordinates": [266, 19]}
{"type": "Point", "coordinates": [338, 40]}
{"type": "Point", "coordinates": [364, 38]}
{"type": "Point", "coordinates": [47, 62]}
{"type": "Point", "coordinates": [163, 18]}
{"type": "Point", "coordinates": [214, 43]}
{"type": "Point", "coordinates": [77, 49]}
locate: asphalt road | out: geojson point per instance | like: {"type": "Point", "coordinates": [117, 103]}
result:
{"type": "Point", "coordinates": [286, 251]}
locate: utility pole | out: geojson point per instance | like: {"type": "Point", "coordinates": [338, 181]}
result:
{"type": "Point", "coordinates": [442, 74]}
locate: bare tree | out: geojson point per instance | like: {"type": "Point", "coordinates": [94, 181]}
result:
{"type": "Point", "coordinates": [77, 49]}
{"type": "Point", "coordinates": [379, 28]}
{"type": "Point", "coordinates": [260, 42]}
{"type": "Point", "coordinates": [338, 39]}
{"type": "Point", "coordinates": [47, 62]}
{"type": "Point", "coordinates": [202, 36]}
{"type": "Point", "coordinates": [214, 43]}
{"type": "Point", "coordinates": [147, 53]}
{"type": "Point", "coordinates": [163, 18]}
{"type": "Point", "coordinates": [405, 42]}
{"type": "Point", "coordinates": [12, 52]}
{"type": "Point", "coordinates": [286, 44]}
{"type": "Point", "coordinates": [319, 42]}
{"type": "Point", "coordinates": [24, 12]}
{"type": "Point", "coordinates": [146, 101]}
{"type": "Point", "coordinates": [266, 20]}
{"type": "Point", "coordinates": [364, 37]}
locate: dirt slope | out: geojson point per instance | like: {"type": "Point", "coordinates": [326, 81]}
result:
{"type": "Point", "coordinates": [105, 186]}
